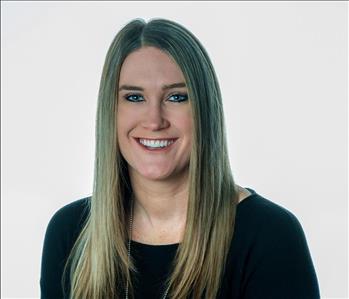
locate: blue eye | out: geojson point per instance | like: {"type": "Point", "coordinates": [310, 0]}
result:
{"type": "Point", "coordinates": [179, 97]}
{"type": "Point", "coordinates": [133, 97]}
{"type": "Point", "coordinates": [176, 98]}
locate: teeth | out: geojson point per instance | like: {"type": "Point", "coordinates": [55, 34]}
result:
{"type": "Point", "coordinates": [155, 143]}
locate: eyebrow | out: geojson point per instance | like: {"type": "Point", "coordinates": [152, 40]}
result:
{"type": "Point", "coordinates": [164, 87]}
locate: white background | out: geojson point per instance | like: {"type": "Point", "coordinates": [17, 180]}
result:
{"type": "Point", "coordinates": [282, 68]}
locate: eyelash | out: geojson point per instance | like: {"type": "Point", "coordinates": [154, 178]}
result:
{"type": "Point", "coordinates": [127, 97]}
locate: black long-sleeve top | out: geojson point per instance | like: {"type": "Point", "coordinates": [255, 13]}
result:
{"type": "Point", "coordinates": [268, 258]}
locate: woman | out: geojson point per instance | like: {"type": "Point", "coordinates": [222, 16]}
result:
{"type": "Point", "coordinates": [166, 219]}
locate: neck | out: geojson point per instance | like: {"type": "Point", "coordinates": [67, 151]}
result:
{"type": "Point", "coordinates": [158, 202]}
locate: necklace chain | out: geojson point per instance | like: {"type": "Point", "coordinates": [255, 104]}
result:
{"type": "Point", "coordinates": [129, 251]}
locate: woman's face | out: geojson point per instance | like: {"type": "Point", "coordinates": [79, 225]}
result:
{"type": "Point", "coordinates": [154, 119]}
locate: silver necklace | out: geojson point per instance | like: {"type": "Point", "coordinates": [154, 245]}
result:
{"type": "Point", "coordinates": [129, 251]}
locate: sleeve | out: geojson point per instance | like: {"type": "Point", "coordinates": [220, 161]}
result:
{"type": "Point", "coordinates": [54, 254]}
{"type": "Point", "coordinates": [280, 264]}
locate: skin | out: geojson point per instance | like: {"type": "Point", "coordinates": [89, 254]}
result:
{"type": "Point", "coordinates": [159, 179]}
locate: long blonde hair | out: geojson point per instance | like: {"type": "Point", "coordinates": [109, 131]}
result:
{"type": "Point", "coordinates": [98, 263]}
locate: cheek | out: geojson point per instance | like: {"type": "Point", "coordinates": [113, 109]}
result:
{"type": "Point", "coordinates": [123, 124]}
{"type": "Point", "coordinates": [185, 124]}
{"type": "Point", "coordinates": [125, 119]}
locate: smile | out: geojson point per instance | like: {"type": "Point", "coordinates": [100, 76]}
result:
{"type": "Point", "coordinates": [155, 144]}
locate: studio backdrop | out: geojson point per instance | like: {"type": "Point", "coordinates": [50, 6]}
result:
{"type": "Point", "coordinates": [282, 69]}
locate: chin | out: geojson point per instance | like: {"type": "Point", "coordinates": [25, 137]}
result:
{"type": "Point", "coordinates": [155, 176]}
{"type": "Point", "coordinates": [156, 173]}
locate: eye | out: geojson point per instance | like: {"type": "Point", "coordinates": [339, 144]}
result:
{"type": "Point", "coordinates": [133, 97]}
{"type": "Point", "coordinates": [178, 97]}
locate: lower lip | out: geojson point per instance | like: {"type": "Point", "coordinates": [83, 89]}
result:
{"type": "Point", "coordinates": [156, 149]}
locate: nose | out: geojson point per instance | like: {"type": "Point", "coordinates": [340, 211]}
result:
{"type": "Point", "coordinates": [154, 118]}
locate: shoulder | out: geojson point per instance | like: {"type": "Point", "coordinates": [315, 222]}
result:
{"type": "Point", "coordinates": [272, 247]}
{"type": "Point", "coordinates": [266, 227]}
{"type": "Point", "coordinates": [265, 215]}
{"type": "Point", "coordinates": [73, 212]}
{"type": "Point", "coordinates": [271, 235]}
{"type": "Point", "coordinates": [75, 208]}
{"type": "Point", "coordinates": [67, 221]}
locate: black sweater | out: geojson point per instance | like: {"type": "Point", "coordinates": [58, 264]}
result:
{"type": "Point", "coordinates": [268, 258]}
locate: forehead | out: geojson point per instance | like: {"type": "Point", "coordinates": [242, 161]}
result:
{"type": "Point", "coordinates": [149, 66]}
